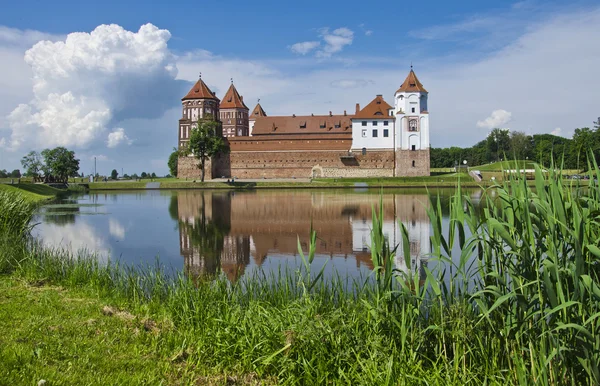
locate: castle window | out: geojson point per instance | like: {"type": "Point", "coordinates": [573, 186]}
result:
{"type": "Point", "coordinates": [374, 133]}
{"type": "Point", "coordinates": [413, 164]}
{"type": "Point", "coordinates": [379, 113]}
{"type": "Point", "coordinates": [364, 151]}
{"type": "Point", "coordinates": [412, 125]}
{"type": "Point", "coordinates": [413, 148]}
{"type": "Point", "coordinates": [374, 123]}
{"type": "Point", "coordinates": [386, 133]}
{"type": "Point", "coordinates": [338, 125]}
{"type": "Point", "coordinates": [364, 123]}
{"type": "Point", "coordinates": [323, 125]}
{"type": "Point", "coordinates": [385, 123]}
{"type": "Point", "coordinates": [303, 125]}
{"type": "Point", "coordinates": [364, 133]}
{"type": "Point", "coordinates": [413, 109]}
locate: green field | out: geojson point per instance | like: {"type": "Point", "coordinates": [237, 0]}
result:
{"type": "Point", "coordinates": [34, 192]}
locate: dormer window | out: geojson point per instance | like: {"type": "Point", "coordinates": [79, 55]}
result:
{"type": "Point", "coordinates": [338, 124]}
{"type": "Point", "coordinates": [323, 125]}
{"type": "Point", "coordinates": [379, 113]}
{"type": "Point", "coordinates": [303, 125]}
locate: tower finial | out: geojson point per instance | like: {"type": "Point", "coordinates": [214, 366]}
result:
{"type": "Point", "coordinates": [258, 100]}
{"type": "Point", "coordinates": [199, 75]}
{"type": "Point", "coordinates": [231, 80]}
{"type": "Point", "coordinates": [411, 67]}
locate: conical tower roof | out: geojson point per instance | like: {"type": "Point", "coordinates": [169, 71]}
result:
{"type": "Point", "coordinates": [232, 99]}
{"type": "Point", "coordinates": [411, 84]}
{"type": "Point", "coordinates": [200, 91]}
{"type": "Point", "coordinates": [258, 111]}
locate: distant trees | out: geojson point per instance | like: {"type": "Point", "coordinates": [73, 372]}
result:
{"type": "Point", "coordinates": [172, 163]}
{"type": "Point", "coordinates": [205, 142]}
{"type": "Point", "coordinates": [14, 174]}
{"type": "Point", "coordinates": [540, 148]}
{"type": "Point", "coordinates": [114, 174]}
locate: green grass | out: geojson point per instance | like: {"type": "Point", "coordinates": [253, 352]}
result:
{"type": "Point", "coordinates": [525, 310]}
{"type": "Point", "coordinates": [33, 192]}
{"type": "Point", "coordinates": [505, 165]}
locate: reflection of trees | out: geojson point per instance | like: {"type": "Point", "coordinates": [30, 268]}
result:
{"type": "Point", "coordinates": [61, 215]}
{"type": "Point", "coordinates": [173, 208]}
{"type": "Point", "coordinates": [204, 237]}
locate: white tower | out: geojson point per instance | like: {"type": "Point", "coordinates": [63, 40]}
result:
{"type": "Point", "coordinates": [412, 128]}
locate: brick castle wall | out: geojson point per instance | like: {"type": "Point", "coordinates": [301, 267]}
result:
{"type": "Point", "coordinates": [266, 160]}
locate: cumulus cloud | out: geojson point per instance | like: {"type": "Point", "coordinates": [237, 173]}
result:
{"type": "Point", "coordinates": [368, 32]}
{"type": "Point", "coordinates": [117, 138]}
{"type": "Point", "coordinates": [88, 82]}
{"type": "Point", "coordinates": [497, 119]}
{"type": "Point", "coordinates": [304, 48]}
{"type": "Point", "coordinates": [335, 41]}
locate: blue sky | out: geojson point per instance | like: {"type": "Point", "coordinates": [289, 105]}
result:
{"type": "Point", "coordinates": [113, 92]}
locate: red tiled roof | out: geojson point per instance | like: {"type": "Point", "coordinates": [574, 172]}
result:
{"type": "Point", "coordinates": [232, 100]}
{"type": "Point", "coordinates": [200, 91]}
{"type": "Point", "coordinates": [378, 108]}
{"type": "Point", "coordinates": [312, 124]}
{"type": "Point", "coordinates": [258, 111]}
{"type": "Point", "coordinates": [411, 84]}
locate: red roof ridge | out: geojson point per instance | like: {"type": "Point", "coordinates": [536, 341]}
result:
{"type": "Point", "coordinates": [233, 100]}
{"type": "Point", "coordinates": [200, 91]}
{"type": "Point", "coordinates": [378, 108]}
{"type": "Point", "coordinates": [258, 111]}
{"type": "Point", "coordinates": [411, 84]}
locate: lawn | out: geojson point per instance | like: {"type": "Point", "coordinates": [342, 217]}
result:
{"type": "Point", "coordinates": [34, 192]}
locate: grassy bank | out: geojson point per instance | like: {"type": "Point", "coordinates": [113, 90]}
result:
{"type": "Point", "coordinates": [525, 310]}
{"type": "Point", "coordinates": [32, 192]}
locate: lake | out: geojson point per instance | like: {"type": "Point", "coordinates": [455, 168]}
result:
{"type": "Point", "coordinates": [202, 232]}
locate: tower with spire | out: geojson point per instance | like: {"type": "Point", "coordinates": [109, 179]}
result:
{"type": "Point", "coordinates": [199, 103]}
{"type": "Point", "coordinates": [256, 113]}
{"type": "Point", "coordinates": [412, 127]}
{"type": "Point", "coordinates": [234, 114]}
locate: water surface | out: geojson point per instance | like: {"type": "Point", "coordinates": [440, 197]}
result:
{"type": "Point", "coordinates": [204, 232]}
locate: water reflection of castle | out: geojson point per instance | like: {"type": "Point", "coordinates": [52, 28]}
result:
{"type": "Point", "coordinates": [226, 229]}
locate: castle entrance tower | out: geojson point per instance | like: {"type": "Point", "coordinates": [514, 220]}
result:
{"type": "Point", "coordinates": [234, 114]}
{"type": "Point", "coordinates": [412, 128]}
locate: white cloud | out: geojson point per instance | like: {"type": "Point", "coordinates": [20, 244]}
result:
{"type": "Point", "coordinates": [335, 41]}
{"type": "Point", "coordinates": [89, 81]}
{"type": "Point", "coordinates": [304, 48]}
{"type": "Point", "coordinates": [556, 131]}
{"type": "Point", "coordinates": [117, 138]}
{"type": "Point", "coordinates": [116, 229]}
{"type": "Point", "coordinates": [497, 119]}
{"type": "Point", "coordinates": [368, 32]}
{"type": "Point", "coordinates": [350, 83]}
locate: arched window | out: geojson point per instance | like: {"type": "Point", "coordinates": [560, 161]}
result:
{"type": "Point", "coordinates": [413, 164]}
{"type": "Point", "coordinates": [364, 151]}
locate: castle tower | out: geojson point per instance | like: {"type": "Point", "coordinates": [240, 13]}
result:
{"type": "Point", "coordinates": [256, 113]}
{"type": "Point", "coordinates": [412, 128]}
{"type": "Point", "coordinates": [199, 103]}
{"type": "Point", "coordinates": [234, 114]}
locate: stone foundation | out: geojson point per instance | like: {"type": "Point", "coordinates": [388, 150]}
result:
{"type": "Point", "coordinates": [412, 163]}
{"type": "Point", "coordinates": [187, 167]}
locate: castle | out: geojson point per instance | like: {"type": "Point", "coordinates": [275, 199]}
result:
{"type": "Point", "coordinates": [379, 140]}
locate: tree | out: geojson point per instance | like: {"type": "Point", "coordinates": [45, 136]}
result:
{"type": "Point", "coordinates": [33, 165]}
{"type": "Point", "coordinates": [144, 175]}
{"type": "Point", "coordinates": [205, 142]}
{"type": "Point", "coordinates": [597, 124]}
{"type": "Point", "coordinates": [60, 164]}
{"type": "Point", "coordinates": [3, 173]}
{"type": "Point", "coordinates": [153, 175]}
{"type": "Point", "coordinates": [498, 143]}
{"type": "Point", "coordinates": [521, 145]}
{"type": "Point", "coordinates": [173, 162]}
{"type": "Point", "coordinates": [15, 173]}
{"type": "Point", "coordinates": [114, 174]}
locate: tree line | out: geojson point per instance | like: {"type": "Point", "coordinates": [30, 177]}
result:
{"type": "Point", "coordinates": [540, 148]}
{"type": "Point", "coordinates": [52, 165]}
